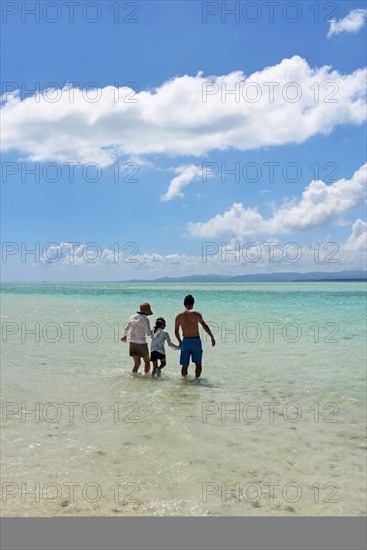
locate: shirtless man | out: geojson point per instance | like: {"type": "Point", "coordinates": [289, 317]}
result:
{"type": "Point", "coordinates": [189, 320]}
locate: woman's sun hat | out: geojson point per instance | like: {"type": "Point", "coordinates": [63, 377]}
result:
{"type": "Point", "coordinates": [145, 309]}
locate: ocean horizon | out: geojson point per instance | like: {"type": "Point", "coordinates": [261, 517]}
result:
{"type": "Point", "coordinates": [276, 276]}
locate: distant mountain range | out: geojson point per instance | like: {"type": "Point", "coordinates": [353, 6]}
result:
{"type": "Point", "coordinates": [263, 277]}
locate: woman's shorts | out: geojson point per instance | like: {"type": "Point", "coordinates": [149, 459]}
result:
{"type": "Point", "coordinates": [141, 350]}
{"type": "Point", "coordinates": [155, 355]}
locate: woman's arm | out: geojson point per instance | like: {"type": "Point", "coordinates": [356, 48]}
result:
{"type": "Point", "coordinates": [127, 327]}
{"type": "Point", "coordinates": [148, 330]}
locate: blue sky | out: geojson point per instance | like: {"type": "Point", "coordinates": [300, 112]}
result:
{"type": "Point", "coordinates": [174, 125]}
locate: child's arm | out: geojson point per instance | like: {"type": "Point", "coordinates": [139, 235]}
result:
{"type": "Point", "coordinates": [173, 346]}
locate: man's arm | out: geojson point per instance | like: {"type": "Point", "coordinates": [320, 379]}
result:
{"type": "Point", "coordinates": [177, 330]}
{"type": "Point", "coordinates": [206, 328]}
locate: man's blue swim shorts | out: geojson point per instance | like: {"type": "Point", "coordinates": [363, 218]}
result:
{"type": "Point", "coordinates": [191, 347]}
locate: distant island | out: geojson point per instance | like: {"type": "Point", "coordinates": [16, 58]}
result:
{"type": "Point", "coordinates": [262, 277]}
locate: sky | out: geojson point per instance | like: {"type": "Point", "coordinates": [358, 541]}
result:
{"type": "Point", "coordinates": [150, 139]}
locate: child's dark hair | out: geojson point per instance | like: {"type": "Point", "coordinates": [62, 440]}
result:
{"type": "Point", "coordinates": [160, 322]}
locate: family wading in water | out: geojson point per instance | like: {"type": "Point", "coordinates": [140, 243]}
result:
{"type": "Point", "coordinates": [190, 345]}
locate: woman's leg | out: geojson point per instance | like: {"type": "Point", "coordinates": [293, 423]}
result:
{"type": "Point", "coordinates": [146, 364]}
{"type": "Point", "coordinates": [137, 361]}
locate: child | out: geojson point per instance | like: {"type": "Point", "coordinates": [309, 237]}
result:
{"type": "Point", "coordinates": [159, 336]}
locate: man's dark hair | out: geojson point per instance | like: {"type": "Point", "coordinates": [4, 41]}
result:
{"type": "Point", "coordinates": [189, 300]}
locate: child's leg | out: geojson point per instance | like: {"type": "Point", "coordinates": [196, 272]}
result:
{"type": "Point", "coordinates": [155, 365]}
{"type": "Point", "coordinates": [163, 364]}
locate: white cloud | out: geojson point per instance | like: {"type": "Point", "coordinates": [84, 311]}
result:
{"type": "Point", "coordinates": [319, 205]}
{"type": "Point", "coordinates": [235, 257]}
{"type": "Point", "coordinates": [356, 243]}
{"type": "Point", "coordinates": [352, 22]}
{"type": "Point", "coordinates": [188, 115]}
{"type": "Point", "coordinates": [186, 175]}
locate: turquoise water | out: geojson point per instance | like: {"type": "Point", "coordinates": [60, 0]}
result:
{"type": "Point", "coordinates": [275, 427]}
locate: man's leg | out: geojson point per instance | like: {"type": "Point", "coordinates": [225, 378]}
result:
{"type": "Point", "coordinates": [184, 370]}
{"type": "Point", "coordinates": [137, 362]}
{"type": "Point", "coordinates": [197, 356]}
{"type": "Point", "coordinates": [184, 357]}
{"type": "Point", "coordinates": [198, 369]}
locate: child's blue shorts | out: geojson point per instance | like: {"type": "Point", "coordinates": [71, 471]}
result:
{"type": "Point", "coordinates": [191, 347]}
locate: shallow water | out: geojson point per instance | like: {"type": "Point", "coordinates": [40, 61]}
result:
{"type": "Point", "coordinates": [275, 427]}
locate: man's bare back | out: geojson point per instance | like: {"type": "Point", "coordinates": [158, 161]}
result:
{"type": "Point", "coordinates": [189, 320]}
